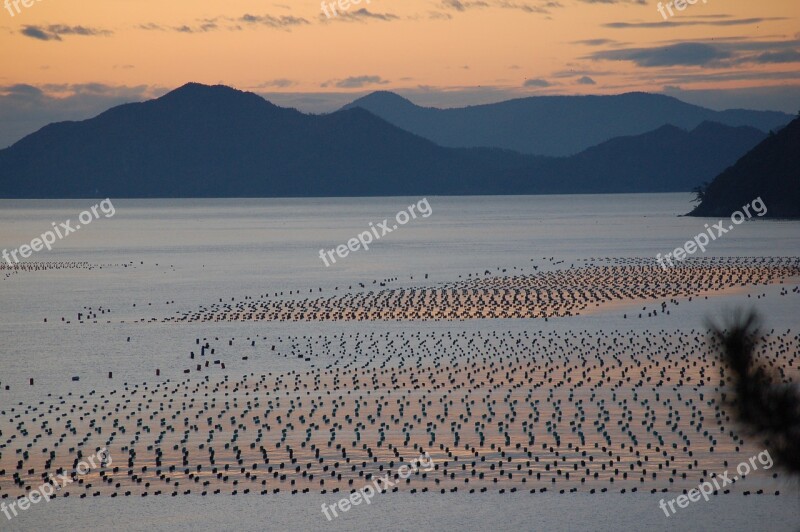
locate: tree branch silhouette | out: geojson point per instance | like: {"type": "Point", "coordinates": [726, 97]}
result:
{"type": "Point", "coordinates": [767, 408]}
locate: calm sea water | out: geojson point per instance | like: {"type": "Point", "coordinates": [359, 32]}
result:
{"type": "Point", "coordinates": [184, 254]}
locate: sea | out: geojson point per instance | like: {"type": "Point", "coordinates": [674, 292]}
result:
{"type": "Point", "coordinates": [96, 308]}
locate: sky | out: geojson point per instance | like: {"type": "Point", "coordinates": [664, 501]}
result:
{"type": "Point", "coordinates": [73, 59]}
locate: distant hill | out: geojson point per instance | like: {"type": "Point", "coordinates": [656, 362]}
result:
{"type": "Point", "coordinates": [770, 171]}
{"type": "Point", "coordinates": [668, 159]}
{"type": "Point", "coordinates": [554, 125]}
{"type": "Point", "coordinates": [201, 141]}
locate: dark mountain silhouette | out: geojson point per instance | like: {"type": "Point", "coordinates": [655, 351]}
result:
{"type": "Point", "coordinates": [201, 141]}
{"type": "Point", "coordinates": [554, 125]}
{"type": "Point", "coordinates": [668, 159]}
{"type": "Point", "coordinates": [770, 171]}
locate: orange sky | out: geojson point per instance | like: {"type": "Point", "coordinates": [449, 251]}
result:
{"type": "Point", "coordinates": [429, 43]}
{"type": "Point", "coordinates": [489, 49]}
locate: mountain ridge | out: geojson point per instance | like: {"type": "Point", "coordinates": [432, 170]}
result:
{"type": "Point", "coordinates": [214, 141]}
{"type": "Point", "coordinates": [770, 171]}
{"type": "Point", "coordinates": [554, 125]}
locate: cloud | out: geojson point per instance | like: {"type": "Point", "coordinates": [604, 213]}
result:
{"type": "Point", "coordinates": [705, 76]}
{"type": "Point", "coordinates": [537, 82]}
{"type": "Point", "coordinates": [463, 5]}
{"type": "Point", "coordinates": [54, 32]}
{"type": "Point", "coordinates": [715, 53]}
{"type": "Point", "coordinates": [282, 22]}
{"type": "Point", "coordinates": [586, 80]}
{"type": "Point", "coordinates": [22, 90]}
{"type": "Point", "coordinates": [541, 6]}
{"type": "Point", "coordinates": [595, 42]}
{"type": "Point", "coordinates": [359, 15]}
{"type": "Point", "coordinates": [681, 54]}
{"type": "Point", "coordinates": [62, 29]}
{"type": "Point", "coordinates": [355, 82]}
{"type": "Point", "coordinates": [785, 56]}
{"type": "Point", "coordinates": [572, 72]}
{"type": "Point", "coordinates": [529, 8]}
{"type": "Point", "coordinates": [205, 25]}
{"type": "Point", "coordinates": [280, 83]}
{"type": "Point", "coordinates": [438, 15]}
{"type": "Point", "coordinates": [671, 23]}
{"type": "Point", "coordinates": [37, 33]}
{"type": "Point", "coordinates": [640, 2]}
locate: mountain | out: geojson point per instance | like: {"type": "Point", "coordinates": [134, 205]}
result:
{"type": "Point", "coordinates": [770, 171]}
{"type": "Point", "coordinates": [554, 125]}
{"type": "Point", "coordinates": [668, 159]}
{"type": "Point", "coordinates": [201, 141]}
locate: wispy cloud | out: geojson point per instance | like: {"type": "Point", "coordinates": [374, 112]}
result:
{"type": "Point", "coordinates": [360, 15]}
{"type": "Point", "coordinates": [786, 56]}
{"type": "Point", "coordinates": [683, 54]}
{"type": "Point", "coordinates": [438, 15]}
{"type": "Point", "coordinates": [705, 21]}
{"type": "Point", "coordinates": [356, 82]}
{"type": "Point", "coordinates": [54, 32]}
{"type": "Point", "coordinates": [543, 8]}
{"type": "Point", "coordinates": [527, 6]}
{"type": "Point", "coordinates": [150, 26]}
{"type": "Point", "coordinates": [203, 27]}
{"type": "Point", "coordinates": [639, 2]}
{"type": "Point", "coordinates": [279, 83]}
{"type": "Point", "coordinates": [572, 72]}
{"type": "Point", "coordinates": [537, 82]}
{"type": "Point", "coordinates": [705, 54]}
{"type": "Point", "coordinates": [595, 42]}
{"type": "Point", "coordinates": [281, 22]}
{"type": "Point", "coordinates": [284, 22]}
{"type": "Point", "coordinates": [463, 5]}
